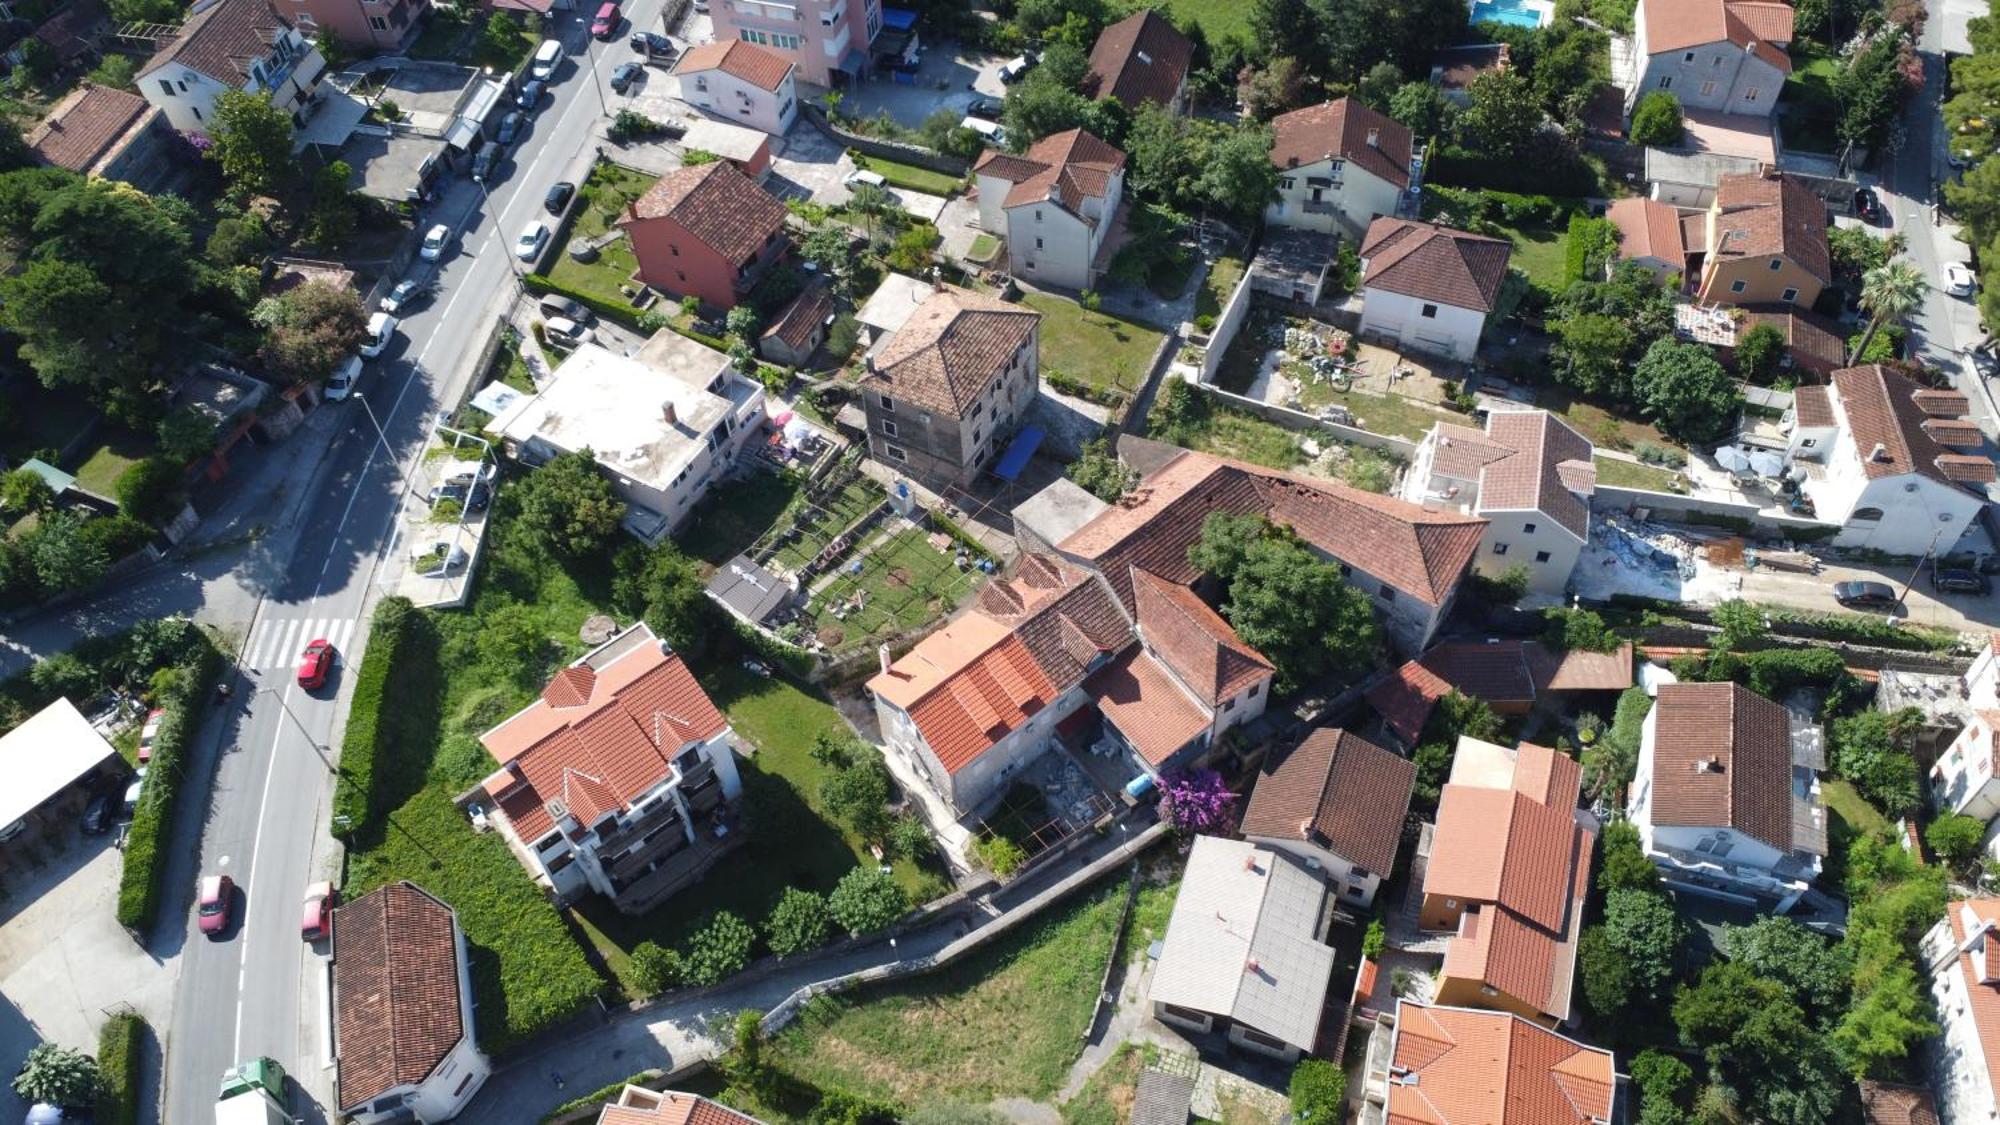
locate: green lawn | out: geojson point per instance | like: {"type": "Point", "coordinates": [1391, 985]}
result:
{"type": "Point", "coordinates": [1232, 433]}
{"type": "Point", "coordinates": [1003, 1023]}
{"type": "Point", "coordinates": [1216, 288]}
{"type": "Point", "coordinates": [120, 450]}
{"type": "Point", "coordinates": [818, 524]}
{"type": "Point", "coordinates": [904, 582]}
{"type": "Point", "coordinates": [1807, 104]}
{"type": "Point", "coordinates": [1540, 252]}
{"type": "Point", "coordinates": [984, 246]}
{"type": "Point", "coordinates": [1216, 17]}
{"type": "Point", "coordinates": [791, 843]}
{"type": "Point", "coordinates": [1094, 348]}
{"type": "Point", "coordinates": [605, 194]}
{"type": "Point", "coordinates": [736, 514]}
{"type": "Point", "coordinates": [909, 176]}
{"type": "Point", "coordinates": [1619, 473]}
{"type": "Point", "coordinates": [1851, 808]}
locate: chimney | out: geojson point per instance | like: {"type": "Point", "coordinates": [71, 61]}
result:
{"type": "Point", "coordinates": [1879, 453]}
{"type": "Point", "coordinates": [937, 280]}
{"type": "Point", "coordinates": [1708, 765]}
{"type": "Point", "coordinates": [1250, 861]}
{"type": "Point", "coordinates": [1250, 965]}
{"type": "Point", "coordinates": [668, 414]}
{"type": "Point", "coordinates": [882, 654]}
{"type": "Point", "coordinates": [1374, 138]}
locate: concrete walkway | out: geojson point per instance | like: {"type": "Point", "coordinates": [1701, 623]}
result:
{"type": "Point", "coordinates": [679, 1031]}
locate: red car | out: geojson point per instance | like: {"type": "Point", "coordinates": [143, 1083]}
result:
{"type": "Point", "coordinates": [606, 23]}
{"type": "Point", "coordinates": [148, 733]}
{"type": "Point", "coordinates": [217, 892]}
{"type": "Point", "coordinates": [318, 920]}
{"type": "Point", "coordinates": [315, 663]}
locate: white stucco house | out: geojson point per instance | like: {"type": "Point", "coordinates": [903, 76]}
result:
{"type": "Point", "coordinates": [1962, 955]}
{"type": "Point", "coordinates": [1428, 288]}
{"type": "Point", "coordinates": [619, 780]}
{"type": "Point", "coordinates": [1963, 779]}
{"type": "Point", "coordinates": [404, 1047]}
{"type": "Point", "coordinates": [741, 83]}
{"type": "Point", "coordinates": [1054, 204]}
{"type": "Point", "coordinates": [1897, 465]}
{"type": "Point", "coordinates": [1528, 475]}
{"type": "Point", "coordinates": [1340, 167]}
{"type": "Point", "coordinates": [1726, 796]}
{"type": "Point", "coordinates": [232, 45]}
{"type": "Point", "coordinates": [1726, 55]}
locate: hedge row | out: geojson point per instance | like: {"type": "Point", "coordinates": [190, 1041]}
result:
{"type": "Point", "coordinates": [617, 311]}
{"type": "Point", "coordinates": [145, 859]}
{"type": "Point", "coordinates": [1556, 172]}
{"type": "Point", "coordinates": [402, 644]}
{"type": "Point", "coordinates": [120, 1055]}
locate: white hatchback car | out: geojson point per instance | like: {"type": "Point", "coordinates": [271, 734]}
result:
{"type": "Point", "coordinates": [533, 237]}
{"type": "Point", "coordinates": [1959, 280]}
{"type": "Point", "coordinates": [434, 243]}
{"type": "Point", "coordinates": [381, 330]}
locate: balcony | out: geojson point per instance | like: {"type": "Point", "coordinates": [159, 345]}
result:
{"type": "Point", "coordinates": [1319, 207]}
{"type": "Point", "coordinates": [641, 887]}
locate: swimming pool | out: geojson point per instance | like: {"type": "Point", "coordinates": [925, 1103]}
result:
{"type": "Point", "coordinates": [1520, 13]}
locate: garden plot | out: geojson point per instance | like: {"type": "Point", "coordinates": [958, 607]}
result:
{"type": "Point", "coordinates": [899, 575]}
{"type": "Point", "coordinates": [1318, 369]}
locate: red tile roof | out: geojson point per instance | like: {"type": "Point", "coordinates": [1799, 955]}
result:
{"type": "Point", "coordinates": [802, 318]}
{"type": "Point", "coordinates": [1194, 641]}
{"type": "Point", "coordinates": [1139, 696]}
{"type": "Point", "coordinates": [1343, 129]}
{"type": "Point", "coordinates": [762, 68]}
{"type": "Point", "coordinates": [1814, 406]}
{"type": "Point", "coordinates": [1336, 790]}
{"type": "Point", "coordinates": [1434, 263]}
{"type": "Point", "coordinates": [1421, 553]}
{"type": "Point", "coordinates": [1889, 1103]}
{"type": "Point", "coordinates": [637, 1106]}
{"type": "Point", "coordinates": [222, 40]}
{"type": "Point", "coordinates": [1062, 168]}
{"type": "Point", "coordinates": [1405, 699]}
{"type": "Point", "coordinates": [950, 350]}
{"type": "Point", "coordinates": [1499, 672]}
{"type": "Point", "coordinates": [86, 126]}
{"type": "Point", "coordinates": [1816, 344]}
{"type": "Point", "coordinates": [1889, 409]}
{"type": "Point", "coordinates": [1546, 459]}
{"type": "Point", "coordinates": [1468, 1067]}
{"type": "Point", "coordinates": [1759, 26]}
{"type": "Point", "coordinates": [716, 204]}
{"type": "Point", "coordinates": [396, 999]}
{"type": "Point", "coordinates": [600, 737]}
{"type": "Point", "coordinates": [1648, 228]}
{"type": "Point", "coordinates": [1722, 758]}
{"type": "Point", "coordinates": [1770, 214]}
{"type": "Point", "coordinates": [1141, 58]}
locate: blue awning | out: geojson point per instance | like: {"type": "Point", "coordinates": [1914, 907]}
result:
{"type": "Point", "coordinates": [1016, 457]}
{"type": "Point", "coordinates": [902, 19]}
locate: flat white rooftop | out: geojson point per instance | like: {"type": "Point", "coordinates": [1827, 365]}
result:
{"type": "Point", "coordinates": [44, 754]}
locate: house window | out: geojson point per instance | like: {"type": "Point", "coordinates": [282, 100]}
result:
{"type": "Point", "coordinates": [1038, 214]}
{"type": "Point", "coordinates": [1038, 242]}
{"type": "Point", "coordinates": [888, 404]}
{"type": "Point", "coordinates": [977, 436]}
{"type": "Point", "coordinates": [1228, 706]}
{"type": "Point", "coordinates": [1750, 95]}
{"type": "Point", "coordinates": [1667, 82]}
{"type": "Point", "coordinates": [1777, 264]}
{"type": "Point", "coordinates": [1707, 89]}
{"type": "Point", "coordinates": [470, 1074]}
{"type": "Point", "coordinates": [1287, 183]}
{"type": "Point", "coordinates": [1688, 57]}
{"type": "Point", "coordinates": [680, 275]}
{"type": "Point", "coordinates": [1387, 594]}
{"type": "Point", "coordinates": [1541, 556]}
{"type": "Point", "coordinates": [1527, 529]}
{"type": "Point", "coordinates": [166, 87]}
{"type": "Point", "coordinates": [1869, 514]}
{"type": "Point", "coordinates": [1428, 312]}
{"type": "Point", "coordinates": [1789, 296]}
{"type": "Point", "coordinates": [1738, 285]}
{"type": "Point", "coordinates": [890, 429]}
{"type": "Point", "coordinates": [197, 112]}
{"type": "Point", "coordinates": [1261, 1039]}
{"type": "Point", "coordinates": [895, 453]}
{"type": "Point", "coordinates": [377, 23]}
{"type": "Point", "coordinates": [1499, 548]}
{"type": "Point", "coordinates": [1254, 689]}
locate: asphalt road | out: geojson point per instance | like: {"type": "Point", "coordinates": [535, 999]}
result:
{"type": "Point", "coordinates": [260, 990]}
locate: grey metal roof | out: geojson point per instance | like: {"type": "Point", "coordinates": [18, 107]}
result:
{"type": "Point", "coordinates": [1243, 941]}
{"type": "Point", "coordinates": [749, 589]}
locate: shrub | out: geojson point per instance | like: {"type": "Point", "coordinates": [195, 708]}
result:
{"type": "Point", "coordinates": [1956, 839]}
{"type": "Point", "coordinates": [401, 643]}
{"type": "Point", "coordinates": [119, 1057]}
{"type": "Point", "coordinates": [1625, 866]}
{"type": "Point", "coordinates": [858, 796]}
{"type": "Point", "coordinates": [719, 950]}
{"type": "Point", "coordinates": [656, 968]}
{"type": "Point", "coordinates": [800, 923]}
{"type": "Point", "coordinates": [58, 1076]}
{"type": "Point", "coordinates": [1001, 855]}
{"type": "Point", "coordinates": [867, 899]}
{"type": "Point", "coordinates": [180, 705]}
{"type": "Point", "coordinates": [1318, 1091]}
{"type": "Point", "coordinates": [1374, 939]}
{"type": "Point", "coordinates": [911, 839]}
{"type": "Point", "coordinates": [1656, 120]}
{"type": "Point", "coordinates": [149, 490]}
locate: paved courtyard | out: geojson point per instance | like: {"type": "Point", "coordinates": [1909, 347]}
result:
{"type": "Point", "coordinates": [950, 77]}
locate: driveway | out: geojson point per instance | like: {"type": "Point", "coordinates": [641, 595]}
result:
{"type": "Point", "coordinates": [950, 77]}
{"type": "Point", "coordinates": [65, 962]}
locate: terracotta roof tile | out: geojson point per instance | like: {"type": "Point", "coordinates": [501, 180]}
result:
{"type": "Point", "coordinates": [597, 740]}
{"type": "Point", "coordinates": [1498, 672]}
{"type": "Point", "coordinates": [1769, 214]}
{"type": "Point", "coordinates": [1141, 58]}
{"type": "Point", "coordinates": [637, 1106]}
{"type": "Point", "coordinates": [85, 126]}
{"type": "Point", "coordinates": [1339, 791]}
{"type": "Point", "coordinates": [395, 990]}
{"type": "Point", "coordinates": [1747, 738]}
{"type": "Point", "coordinates": [716, 204]}
{"type": "Point", "coordinates": [1138, 696]}
{"type": "Point", "coordinates": [1470, 1067]}
{"type": "Point", "coordinates": [1889, 409]}
{"type": "Point", "coordinates": [1957, 432]}
{"type": "Point", "coordinates": [1062, 168]}
{"type": "Point", "coordinates": [1889, 1103]}
{"type": "Point", "coordinates": [1815, 343]}
{"type": "Point", "coordinates": [1813, 406]}
{"type": "Point", "coordinates": [762, 68]}
{"type": "Point", "coordinates": [222, 41]}
{"type": "Point", "coordinates": [803, 317]}
{"type": "Point", "coordinates": [1648, 228]}
{"type": "Point", "coordinates": [1964, 469]}
{"type": "Point", "coordinates": [1342, 129]}
{"type": "Point", "coordinates": [950, 350]}
{"type": "Point", "coordinates": [1194, 641]}
{"type": "Point", "coordinates": [1434, 263]}
{"type": "Point", "coordinates": [1454, 68]}
{"type": "Point", "coordinates": [1529, 480]}
{"type": "Point", "coordinates": [1404, 700]}
{"type": "Point", "coordinates": [1755, 25]}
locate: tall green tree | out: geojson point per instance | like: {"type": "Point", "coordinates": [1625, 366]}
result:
{"type": "Point", "coordinates": [1685, 390]}
{"type": "Point", "coordinates": [311, 330]}
{"type": "Point", "coordinates": [567, 507]}
{"type": "Point", "coordinates": [58, 1076]}
{"type": "Point", "coordinates": [1504, 115]}
{"type": "Point", "coordinates": [1656, 120]}
{"type": "Point", "coordinates": [252, 141]}
{"type": "Point", "coordinates": [1286, 603]}
{"type": "Point", "coordinates": [1888, 294]}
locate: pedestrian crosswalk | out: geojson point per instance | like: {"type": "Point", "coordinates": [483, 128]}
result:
{"type": "Point", "coordinates": [277, 643]}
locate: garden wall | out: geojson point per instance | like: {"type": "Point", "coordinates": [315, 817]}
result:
{"type": "Point", "coordinates": [887, 150]}
{"type": "Point", "coordinates": [1234, 313]}
{"type": "Point", "coordinates": [1673, 506]}
{"type": "Point", "coordinates": [1306, 423]}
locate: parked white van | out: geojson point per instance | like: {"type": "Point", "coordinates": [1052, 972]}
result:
{"type": "Point", "coordinates": [341, 383]}
{"type": "Point", "coordinates": [546, 57]}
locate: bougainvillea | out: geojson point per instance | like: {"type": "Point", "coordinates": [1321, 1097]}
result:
{"type": "Point", "coordinates": [1195, 802]}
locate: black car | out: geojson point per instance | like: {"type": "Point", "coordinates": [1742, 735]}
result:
{"type": "Point", "coordinates": [555, 304]}
{"type": "Point", "coordinates": [1869, 206]}
{"type": "Point", "coordinates": [653, 45]}
{"type": "Point", "coordinates": [988, 109]}
{"type": "Point", "coordinates": [488, 161]}
{"type": "Point", "coordinates": [1960, 582]}
{"type": "Point", "coordinates": [473, 499]}
{"type": "Point", "coordinates": [626, 74]}
{"type": "Point", "coordinates": [97, 815]}
{"type": "Point", "coordinates": [558, 197]}
{"type": "Point", "coordinates": [1864, 595]}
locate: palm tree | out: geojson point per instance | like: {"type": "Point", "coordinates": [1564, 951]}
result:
{"type": "Point", "coordinates": [1890, 291]}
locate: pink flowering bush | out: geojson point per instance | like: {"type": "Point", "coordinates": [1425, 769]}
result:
{"type": "Point", "coordinates": [1196, 802]}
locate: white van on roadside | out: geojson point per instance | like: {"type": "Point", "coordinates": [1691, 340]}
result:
{"type": "Point", "coordinates": [546, 57]}
{"type": "Point", "coordinates": [341, 383]}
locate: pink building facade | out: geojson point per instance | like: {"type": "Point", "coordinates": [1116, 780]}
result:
{"type": "Point", "coordinates": [828, 40]}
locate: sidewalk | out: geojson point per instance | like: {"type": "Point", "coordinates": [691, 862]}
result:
{"type": "Point", "coordinates": [674, 1034]}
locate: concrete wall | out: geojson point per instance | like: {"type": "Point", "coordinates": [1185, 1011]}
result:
{"type": "Point", "coordinates": [1402, 448]}
{"type": "Point", "coordinates": [1509, 530]}
{"type": "Point", "coordinates": [1960, 1080]}
{"type": "Point", "coordinates": [1226, 326]}
{"type": "Point", "coordinates": [1721, 77]}
{"type": "Point", "coordinates": [743, 103]}
{"type": "Point", "coordinates": [1673, 506]}
{"type": "Point", "coordinates": [875, 146]}
{"type": "Point", "coordinates": [1047, 244]}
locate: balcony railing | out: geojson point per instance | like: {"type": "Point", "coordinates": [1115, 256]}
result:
{"type": "Point", "coordinates": [1319, 207]}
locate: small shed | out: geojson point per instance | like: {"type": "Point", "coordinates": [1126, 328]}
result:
{"type": "Point", "coordinates": [749, 592]}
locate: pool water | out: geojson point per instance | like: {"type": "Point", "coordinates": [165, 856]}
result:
{"type": "Point", "coordinates": [1515, 12]}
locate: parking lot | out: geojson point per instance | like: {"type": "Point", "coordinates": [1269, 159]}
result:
{"type": "Point", "coordinates": [950, 77]}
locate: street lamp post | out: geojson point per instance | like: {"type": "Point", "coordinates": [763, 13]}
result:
{"type": "Point", "coordinates": [318, 747]}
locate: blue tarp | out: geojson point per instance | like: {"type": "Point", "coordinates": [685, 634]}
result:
{"type": "Point", "coordinates": [902, 19]}
{"type": "Point", "coordinates": [1016, 457]}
